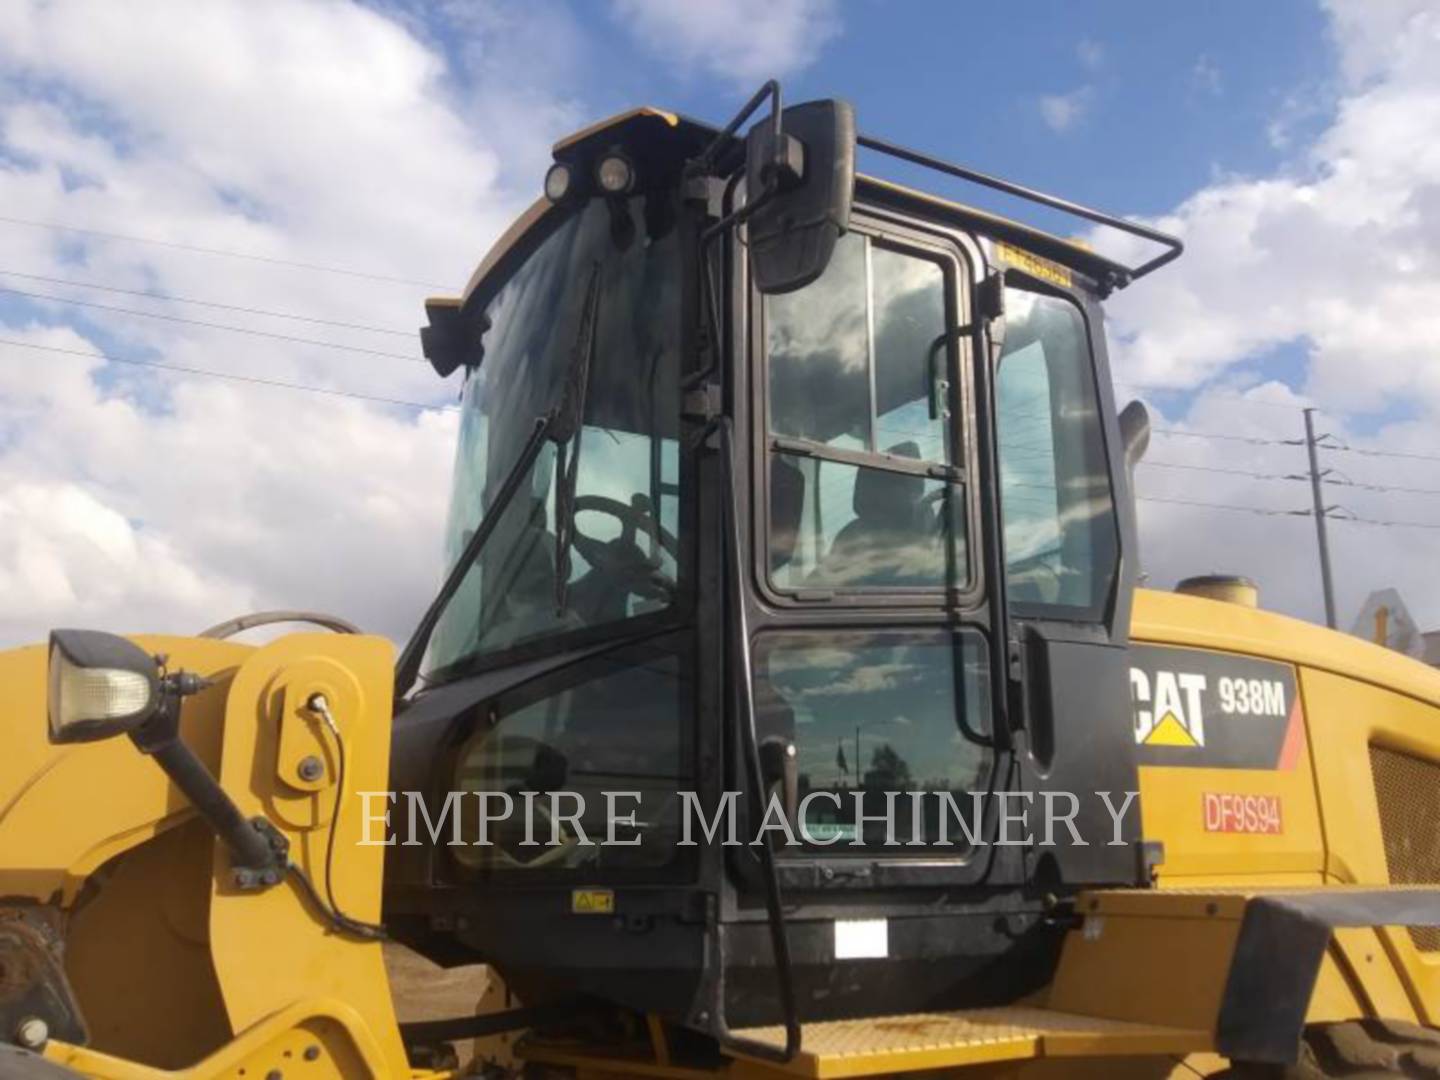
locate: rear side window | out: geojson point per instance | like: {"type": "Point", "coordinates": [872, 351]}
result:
{"type": "Point", "coordinates": [1061, 546]}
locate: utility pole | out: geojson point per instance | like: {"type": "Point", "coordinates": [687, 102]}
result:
{"type": "Point", "coordinates": [1311, 448]}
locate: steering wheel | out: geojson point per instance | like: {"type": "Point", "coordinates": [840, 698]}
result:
{"type": "Point", "coordinates": [622, 558]}
{"type": "Point", "coordinates": [267, 618]}
{"type": "Point", "coordinates": [496, 854]}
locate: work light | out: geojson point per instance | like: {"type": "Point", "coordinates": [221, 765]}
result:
{"type": "Point", "coordinates": [100, 685]}
{"type": "Point", "coordinates": [615, 174]}
{"type": "Point", "coordinates": [558, 182]}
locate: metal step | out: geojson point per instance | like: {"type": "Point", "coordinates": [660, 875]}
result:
{"type": "Point", "coordinates": [881, 1045]}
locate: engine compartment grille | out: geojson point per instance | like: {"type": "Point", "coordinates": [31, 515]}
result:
{"type": "Point", "coordinates": [1407, 791]}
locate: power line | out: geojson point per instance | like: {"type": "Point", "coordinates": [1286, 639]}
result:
{"type": "Point", "coordinates": [1266, 512]}
{"type": "Point", "coordinates": [254, 379]}
{"type": "Point", "coordinates": [272, 260]}
{"type": "Point", "coordinates": [1252, 440]}
{"type": "Point", "coordinates": [1227, 394]}
{"type": "Point", "coordinates": [1381, 487]}
{"type": "Point", "coordinates": [1380, 453]}
{"type": "Point", "coordinates": [1262, 511]}
{"type": "Point", "coordinates": [1216, 469]}
{"type": "Point", "coordinates": [212, 326]}
{"type": "Point", "coordinates": [173, 299]}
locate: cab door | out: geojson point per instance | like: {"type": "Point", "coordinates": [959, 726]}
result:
{"type": "Point", "coordinates": [873, 639]}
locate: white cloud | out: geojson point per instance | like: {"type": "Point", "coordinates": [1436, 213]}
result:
{"type": "Point", "coordinates": [1061, 112]}
{"type": "Point", "coordinates": [1091, 54]}
{"type": "Point", "coordinates": [741, 41]}
{"type": "Point", "coordinates": [1336, 257]}
{"type": "Point", "coordinates": [1205, 76]}
{"type": "Point", "coordinates": [323, 133]}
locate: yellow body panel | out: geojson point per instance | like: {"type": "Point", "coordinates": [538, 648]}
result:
{"type": "Point", "coordinates": [177, 971]}
{"type": "Point", "coordinates": [1354, 694]}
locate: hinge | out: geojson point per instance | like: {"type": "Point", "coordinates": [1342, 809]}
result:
{"type": "Point", "coordinates": [990, 296]}
{"type": "Point", "coordinates": [1015, 660]}
{"type": "Point", "coordinates": [702, 402]}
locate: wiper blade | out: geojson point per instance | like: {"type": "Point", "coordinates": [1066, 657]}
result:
{"type": "Point", "coordinates": [570, 425]}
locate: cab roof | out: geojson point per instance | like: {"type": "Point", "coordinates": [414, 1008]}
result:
{"type": "Point", "coordinates": [659, 133]}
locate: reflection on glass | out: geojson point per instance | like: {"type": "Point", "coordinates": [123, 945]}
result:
{"type": "Point", "coordinates": [819, 349]}
{"type": "Point", "coordinates": [850, 526]}
{"type": "Point", "coordinates": [1060, 534]}
{"type": "Point", "coordinates": [853, 358]}
{"type": "Point", "coordinates": [621, 561]}
{"type": "Point", "coordinates": [878, 713]}
{"type": "Point", "coordinates": [911, 381]}
{"type": "Point", "coordinates": [619, 731]}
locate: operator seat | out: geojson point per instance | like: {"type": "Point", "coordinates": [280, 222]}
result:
{"type": "Point", "coordinates": [893, 539]}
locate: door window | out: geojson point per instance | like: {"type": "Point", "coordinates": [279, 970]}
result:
{"type": "Point", "coordinates": [863, 492]}
{"type": "Point", "coordinates": [872, 713]}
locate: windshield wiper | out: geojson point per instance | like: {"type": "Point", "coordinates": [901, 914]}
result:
{"type": "Point", "coordinates": [407, 668]}
{"type": "Point", "coordinates": [570, 424]}
{"type": "Point", "coordinates": [560, 424]}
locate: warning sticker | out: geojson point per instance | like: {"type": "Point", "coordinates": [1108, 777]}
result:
{"type": "Point", "coordinates": [1034, 265]}
{"type": "Point", "coordinates": [592, 902]}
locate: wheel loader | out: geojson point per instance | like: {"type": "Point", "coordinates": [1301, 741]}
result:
{"type": "Point", "coordinates": [788, 706]}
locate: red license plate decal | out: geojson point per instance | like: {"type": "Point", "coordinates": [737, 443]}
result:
{"type": "Point", "coordinates": [1228, 812]}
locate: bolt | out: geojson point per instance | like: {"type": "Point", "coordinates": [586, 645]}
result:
{"type": "Point", "coordinates": [32, 1033]}
{"type": "Point", "coordinates": [312, 1053]}
{"type": "Point", "coordinates": [274, 1074]}
{"type": "Point", "coordinates": [310, 768]}
{"type": "Point", "coordinates": [271, 877]}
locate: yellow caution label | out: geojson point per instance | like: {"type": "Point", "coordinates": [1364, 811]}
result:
{"type": "Point", "coordinates": [1033, 265]}
{"type": "Point", "coordinates": [592, 902]}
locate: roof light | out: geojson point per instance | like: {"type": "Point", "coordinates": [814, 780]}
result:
{"type": "Point", "coordinates": [615, 174]}
{"type": "Point", "coordinates": [559, 181]}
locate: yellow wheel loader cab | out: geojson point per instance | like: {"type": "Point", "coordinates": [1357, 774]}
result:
{"type": "Point", "coordinates": [787, 706]}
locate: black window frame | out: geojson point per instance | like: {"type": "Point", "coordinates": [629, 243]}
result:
{"type": "Point", "coordinates": [960, 260]}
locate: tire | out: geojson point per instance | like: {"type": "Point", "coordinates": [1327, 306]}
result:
{"type": "Point", "coordinates": [18, 1064]}
{"type": "Point", "coordinates": [1355, 1050]}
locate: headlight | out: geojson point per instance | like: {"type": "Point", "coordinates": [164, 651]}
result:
{"type": "Point", "coordinates": [100, 685]}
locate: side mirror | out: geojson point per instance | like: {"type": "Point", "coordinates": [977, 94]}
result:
{"type": "Point", "coordinates": [811, 182]}
{"type": "Point", "coordinates": [100, 685]}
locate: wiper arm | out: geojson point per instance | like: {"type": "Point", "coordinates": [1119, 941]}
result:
{"type": "Point", "coordinates": [560, 424]}
{"type": "Point", "coordinates": [407, 668]}
{"type": "Point", "coordinates": [570, 424]}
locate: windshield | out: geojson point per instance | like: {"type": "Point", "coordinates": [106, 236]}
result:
{"type": "Point", "coordinates": [593, 316]}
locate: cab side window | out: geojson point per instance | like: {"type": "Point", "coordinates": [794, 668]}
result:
{"type": "Point", "coordinates": [1061, 542]}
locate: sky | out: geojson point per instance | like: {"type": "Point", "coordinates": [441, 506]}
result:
{"type": "Point", "coordinates": [279, 185]}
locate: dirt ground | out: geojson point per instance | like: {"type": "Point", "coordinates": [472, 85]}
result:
{"type": "Point", "coordinates": [425, 991]}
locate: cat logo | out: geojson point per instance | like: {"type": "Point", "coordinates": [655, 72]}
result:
{"type": "Point", "coordinates": [1168, 710]}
